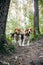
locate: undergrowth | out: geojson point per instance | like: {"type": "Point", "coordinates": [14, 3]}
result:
{"type": "Point", "coordinates": [36, 37]}
{"type": "Point", "coordinates": [7, 49]}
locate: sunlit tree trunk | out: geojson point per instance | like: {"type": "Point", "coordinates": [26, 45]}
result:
{"type": "Point", "coordinates": [4, 6]}
{"type": "Point", "coordinates": [36, 18]}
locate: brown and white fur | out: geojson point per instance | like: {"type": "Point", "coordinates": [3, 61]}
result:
{"type": "Point", "coordinates": [22, 39]}
{"type": "Point", "coordinates": [26, 37]}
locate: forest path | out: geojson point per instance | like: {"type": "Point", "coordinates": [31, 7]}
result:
{"type": "Point", "coordinates": [26, 55]}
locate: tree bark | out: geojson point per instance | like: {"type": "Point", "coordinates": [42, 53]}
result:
{"type": "Point", "coordinates": [36, 18]}
{"type": "Point", "coordinates": [4, 6]}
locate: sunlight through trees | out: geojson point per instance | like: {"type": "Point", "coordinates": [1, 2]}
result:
{"type": "Point", "coordinates": [20, 12]}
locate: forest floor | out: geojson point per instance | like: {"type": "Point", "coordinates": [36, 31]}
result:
{"type": "Point", "coordinates": [25, 55]}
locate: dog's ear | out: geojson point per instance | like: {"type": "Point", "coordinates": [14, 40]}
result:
{"type": "Point", "coordinates": [26, 31]}
{"type": "Point", "coordinates": [31, 29]}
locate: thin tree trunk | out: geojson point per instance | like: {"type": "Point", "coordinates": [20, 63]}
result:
{"type": "Point", "coordinates": [36, 18]}
{"type": "Point", "coordinates": [4, 6]}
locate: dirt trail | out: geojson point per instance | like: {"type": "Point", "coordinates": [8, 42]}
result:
{"type": "Point", "coordinates": [26, 55]}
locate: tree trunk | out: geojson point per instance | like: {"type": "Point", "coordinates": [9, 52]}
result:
{"type": "Point", "coordinates": [4, 6]}
{"type": "Point", "coordinates": [36, 18]}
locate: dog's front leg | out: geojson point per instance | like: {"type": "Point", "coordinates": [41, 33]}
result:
{"type": "Point", "coordinates": [23, 44]}
{"type": "Point", "coordinates": [19, 40]}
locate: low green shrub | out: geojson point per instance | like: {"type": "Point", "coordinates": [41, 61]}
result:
{"type": "Point", "coordinates": [7, 49]}
{"type": "Point", "coordinates": [8, 38]}
{"type": "Point", "coordinates": [36, 37]}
